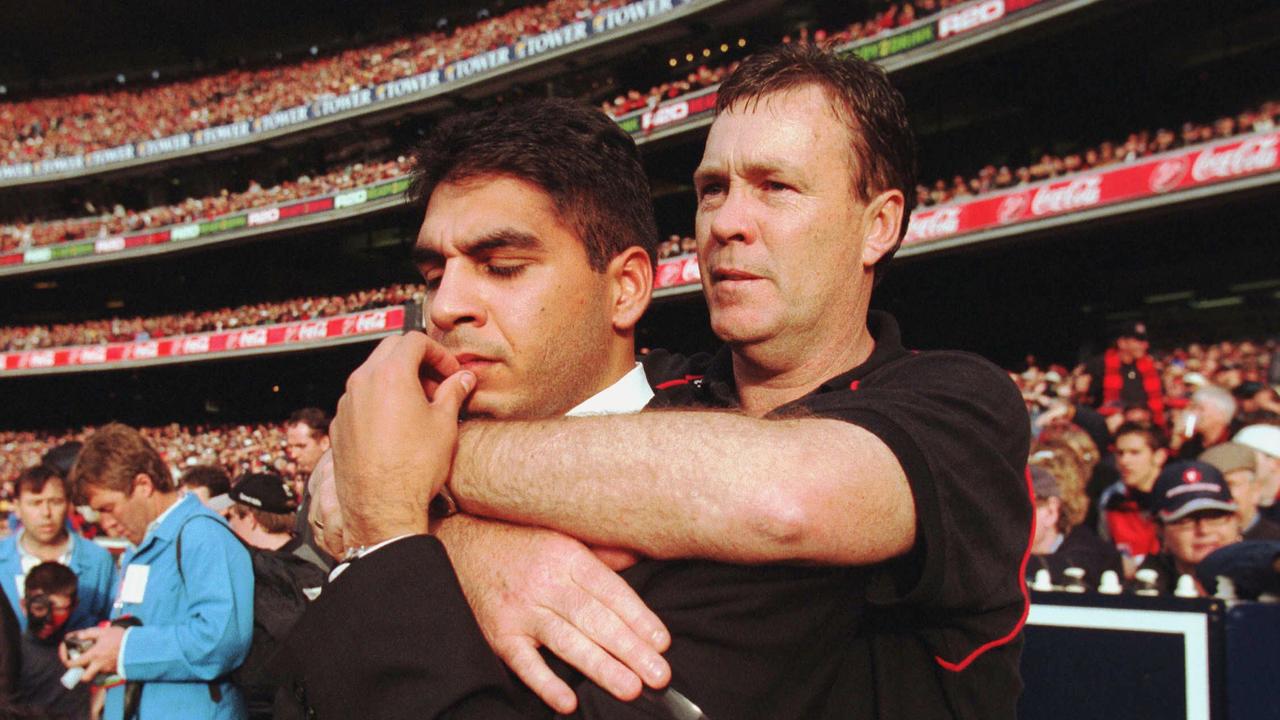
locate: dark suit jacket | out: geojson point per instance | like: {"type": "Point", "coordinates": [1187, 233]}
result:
{"type": "Point", "coordinates": [393, 637]}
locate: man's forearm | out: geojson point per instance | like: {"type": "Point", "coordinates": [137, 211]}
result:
{"type": "Point", "coordinates": [694, 484]}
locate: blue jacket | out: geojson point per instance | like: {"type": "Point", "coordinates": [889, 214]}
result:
{"type": "Point", "coordinates": [93, 566]}
{"type": "Point", "coordinates": [193, 631]}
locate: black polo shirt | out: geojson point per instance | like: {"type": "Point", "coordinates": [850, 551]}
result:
{"type": "Point", "coordinates": [940, 635]}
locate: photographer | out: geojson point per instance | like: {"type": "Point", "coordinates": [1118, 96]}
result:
{"type": "Point", "coordinates": [48, 603]}
{"type": "Point", "coordinates": [188, 581]}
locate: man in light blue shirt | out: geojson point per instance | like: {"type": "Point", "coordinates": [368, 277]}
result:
{"type": "Point", "coordinates": [188, 579]}
{"type": "Point", "coordinates": [45, 537]}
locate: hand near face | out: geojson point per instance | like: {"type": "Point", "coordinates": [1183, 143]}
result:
{"type": "Point", "coordinates": [530, 588]}
{"type": "Point", "coordinates": [392, 445]}
{"type": "Point", "coordinates": [326, 513]}
{"type": "Point", "coordinates": [102, 657]}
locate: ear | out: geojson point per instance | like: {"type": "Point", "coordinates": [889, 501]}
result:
{"type": "Point", "coordinates": [1160, 456]}
{"type": "Point", "coordinates": [142, 484]}
{"type": "Point", "coordinates": [630, 277]}
{"type": "Point", "coordinates": [882, 220]}
{"type": "Point", "coordinates": [324, 442]}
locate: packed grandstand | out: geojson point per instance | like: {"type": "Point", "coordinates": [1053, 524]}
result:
{"type": "Point", "coordinates": [1057, 223]}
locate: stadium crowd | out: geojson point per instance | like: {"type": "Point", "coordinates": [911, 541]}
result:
{"type": "Point", "coordinates": [84, 122]}
{"type": "Point", "coordinates": [118, 220]}
{"type": "Point", "coordinates": [96, 332]}
{"type": "Point", "coordinates": [1136, 145]}
{"type": "Point", "coordinates": [888, 16]}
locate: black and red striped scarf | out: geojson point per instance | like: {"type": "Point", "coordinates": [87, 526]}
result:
{"type": "Point", "coordinates": [1112, 383]}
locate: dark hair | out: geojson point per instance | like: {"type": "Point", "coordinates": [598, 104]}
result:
{"type": "Point", "coordinates": [35, 478]}
{"type": "Point", "coordinates": [314, 418]}
{"type": "Point", "coordinates": [884, 149]}
{"type": "Point", "coordinates": [273, 523]}
{"type": "Point", "coordinates": [113, 456]}
{"type": "Point", "coordinates": [575, 153]}
{"type": "Point", "coordinates": [63, 457]}
{"type": "Point", "coordinates": [207, 476]}
{"type": "Point", "coordinates": [50, 578]}
{"type": "Point", "coordinates": [1151, 434]}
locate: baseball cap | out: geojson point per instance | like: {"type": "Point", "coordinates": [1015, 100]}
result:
{"type": "Point", "coordinates": [265, 491]}
{"type": "Point", "coordinates": [1182, 488]}
{"type": "Point", "coordinates": [1263, 438]}
{"type": "Point", "coordinates": [1135, 329]}
{"type": "Point", "coordinates": [1229, 457]}
{"type": "Point", "coordinates": [1044, 483]}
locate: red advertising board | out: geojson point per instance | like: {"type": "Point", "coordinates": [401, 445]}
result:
{"type": "Point", "coordinates": [294, 333]}
{"type": "Point", "coordinates": [677, 271]}
{"type": "Point", "coordinates": [1149, 177]}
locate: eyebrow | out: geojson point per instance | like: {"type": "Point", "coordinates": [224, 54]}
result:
{"type": "Point", "coordinates": [500, 239]}
{"type": "Point", "coordinates": [763, 167]}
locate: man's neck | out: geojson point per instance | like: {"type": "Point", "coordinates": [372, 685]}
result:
{"type": "Point", "coordinates": [765, 383]}
{"type": "Point", "coordinates": [48, 552]}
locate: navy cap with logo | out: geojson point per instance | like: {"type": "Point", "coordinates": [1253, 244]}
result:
{"type": "Point", "coordinates": [265, 491]}
{"type": "Point", "coordinates": [1183, 488]}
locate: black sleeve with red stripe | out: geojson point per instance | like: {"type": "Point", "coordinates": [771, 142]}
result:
{"type": "Point", "coordinates": [960, 431]}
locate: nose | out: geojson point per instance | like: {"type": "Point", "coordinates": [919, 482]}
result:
{"type": "Point", "coordinates": [730, 220]}
{"type": "Point", "coordinates": [456, 300]}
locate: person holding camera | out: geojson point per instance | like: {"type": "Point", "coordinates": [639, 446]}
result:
{"type": "Point", "coordinates": [48, 603]}
{"type": "Point", "coordinates": [187, 582]}
{"type": "Point", "coordinates": [42, 505]}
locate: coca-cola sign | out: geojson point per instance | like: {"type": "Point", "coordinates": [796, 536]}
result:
{"type": "Point", "coordinates": [934, 225]}
{"type": "Point", "coordinates": [1076, 194]}
{"type": "Point", "coordinates": [1168, 174]}
{"type": "Point", "coordinates": [256, 337]}
{"type": "Point", "coordinates": [1248, 157]}
{"type": "Point", "coordinates": [1012, 208]}
{"type": "Point", "coordinates": [184, 347]}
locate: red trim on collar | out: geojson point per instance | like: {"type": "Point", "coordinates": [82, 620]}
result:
{"type": "Point", "coordinates": [678, 381]}
{"type": "Point", "coordinates": [1026, 598]}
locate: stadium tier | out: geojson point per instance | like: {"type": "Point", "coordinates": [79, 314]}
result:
{"type": "Point", "coordinates": [84, 134]}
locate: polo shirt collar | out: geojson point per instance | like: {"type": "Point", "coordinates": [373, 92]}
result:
{"type": "Point", "coordinates": [160, 527]}
{"type": "Point", "coordinates": [630, 394]}
{"type": "Point", "coordinates": [719, 382]}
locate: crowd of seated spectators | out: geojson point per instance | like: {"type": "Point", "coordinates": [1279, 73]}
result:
{"type": "Point", "coordinates": [118, 220]}
{"type": "Point", "coordinates": [889, 16]}
{"type": "Point", "coordinates": [1136, 145]}
{"type": "Point", "coordinates": [96, 332]}
{"type": "Point", "coordinates": [1099, 513]}
{"type": "Point", "coordinates": [74, 124]}
{"type": "Point", "coordinates": [1124, 471]}
{"type": "Point", "coordinates": [239, 449]}
{"type": "Point", "coordinates": [675, 246]}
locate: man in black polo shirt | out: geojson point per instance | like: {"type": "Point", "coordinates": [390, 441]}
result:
{"type": "Point", "coordinates": [902, 472]}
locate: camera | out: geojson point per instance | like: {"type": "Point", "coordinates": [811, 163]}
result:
{"type": "Point", "coordinates": [76, 645]}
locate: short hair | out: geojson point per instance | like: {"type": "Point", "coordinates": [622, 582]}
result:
{"type": "Point", "coordinates": [113, 456]}
{"type": "Point", "coordinates": [207, 476]}
{"type": "Point", "coordinates": [576, 154]}
{"type": "Point", "coordinates": [274, 523]}
{"type": "Point", "coordinates": [50, 578]}
{"type": "Point", "coordinates": [1218, 397]}
{"type": "Point", "coordinates": [35, 478]}
{"type": "Point", "coordinates": [874, 112]}
{"type": "Point", "coordinates": [313, 417]}
{"type": "Point", "coordinates": [1151, 434]}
